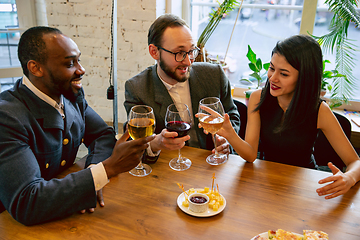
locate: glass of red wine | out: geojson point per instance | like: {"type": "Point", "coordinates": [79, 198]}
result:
{"type": "Point", "coordinates": [178, 120]}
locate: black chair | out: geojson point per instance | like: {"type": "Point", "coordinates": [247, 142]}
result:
{"type": "Point", "coordinates": [2, 208]}
{"type": "Point", "coordinates": [242, 109]}
{"type": "Point", "coordinates": [324, 153]}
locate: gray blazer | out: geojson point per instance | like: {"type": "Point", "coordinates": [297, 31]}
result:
{"type": "Point", "coordinates": [206, 80]}
{"type": "Point", "coordinates": [36, 144]}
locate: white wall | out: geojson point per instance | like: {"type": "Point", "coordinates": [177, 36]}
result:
{"type": "Point", "coordinates": [87, 22]}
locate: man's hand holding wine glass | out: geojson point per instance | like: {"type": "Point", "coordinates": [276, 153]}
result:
{"type": "Point", "coordinates": [178, 119]}
{"type": "Point", "coordinates": [126, 155]}
{"type": "Point", "coordinates": [168, 141]}
{"type": "Point", "coordinates": [141, 124]}
{"type": "Point", "coordinates": [223, 145]}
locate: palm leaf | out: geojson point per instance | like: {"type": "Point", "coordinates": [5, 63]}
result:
{"type": "Point", "coordinates": [346, 9]}
{"type": "Point", "coordinates": [336, 41]}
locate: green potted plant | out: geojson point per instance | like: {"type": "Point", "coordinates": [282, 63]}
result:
{"type": "Point", "coordinates": [334, 101]}
{"type": "Point", "coordinates": [325, 85]}
{"type": "Point", "coordinates": [336, 40]}
{"type": "Point", "coordinates": [225, 7]}
{"type": "Point", "coordinates": [259, 72]}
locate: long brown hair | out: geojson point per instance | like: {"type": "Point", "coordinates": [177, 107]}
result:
{"type": "Point", "coordinates": [304, 54]}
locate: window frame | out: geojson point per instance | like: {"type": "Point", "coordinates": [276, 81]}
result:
{"type": "Point", "coordinates": [26, 18]}
{"type": "Point", "coordinates": [309, 10]}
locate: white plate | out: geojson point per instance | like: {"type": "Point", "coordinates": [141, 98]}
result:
{"type": "Point", "coordinates": [207, 213]}
{"type": "Point", "coordinates": [266, 235]}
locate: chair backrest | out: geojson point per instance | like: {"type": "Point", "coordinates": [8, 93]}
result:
{"type": "Point", "coordinates": [242, 109]}
{"type": "Point", "coordinates": [324, 153]}
{"type": "Point", "coordinates": [2, 208]}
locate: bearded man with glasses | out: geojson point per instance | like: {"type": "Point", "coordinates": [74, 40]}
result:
{"type": "Point", "coordinates": [175, 78]}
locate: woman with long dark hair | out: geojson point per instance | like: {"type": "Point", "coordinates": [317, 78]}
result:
{"type": "Point", "coordinates": [287, 114]}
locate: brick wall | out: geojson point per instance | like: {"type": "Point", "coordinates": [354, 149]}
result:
{"type": "Point", "coordinates": [88, 23]}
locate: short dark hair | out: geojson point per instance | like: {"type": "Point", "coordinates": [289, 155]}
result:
{"type": "Point", "coordinates": [158, 27]}
{"type": "Point", "coordinates": [32, 46]}
{"type": "Point", "coordinates": [304, 54]}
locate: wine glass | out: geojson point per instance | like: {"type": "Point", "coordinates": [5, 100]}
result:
{"type": "Point", "coordinates": [178, 120]}
{"type": "Point", "coordinates": [211, 118]}
{"type": "Point", "coordinates": [141, 124]}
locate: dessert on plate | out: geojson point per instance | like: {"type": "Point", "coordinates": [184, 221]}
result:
{"type": "Point", "coordinates": [281, 234]}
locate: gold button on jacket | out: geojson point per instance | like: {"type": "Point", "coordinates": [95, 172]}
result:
{"type": "Point", "coordinates": [63, 162]}
{"type": "Point", "coordinates": [65, 141]}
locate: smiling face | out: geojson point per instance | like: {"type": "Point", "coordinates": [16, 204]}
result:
{"type": "Point", "coordinates": [282, 77]}
{"type": "Point", "coordinates": [175, 39]}
{"type": "Point", "coordinates": [62, 71]}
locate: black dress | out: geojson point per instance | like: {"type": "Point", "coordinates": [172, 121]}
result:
{"type": "Point", "coordinates": [292, 146]}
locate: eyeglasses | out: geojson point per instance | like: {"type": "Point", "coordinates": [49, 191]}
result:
{"type": "Point", "coordinates": [180, 56]}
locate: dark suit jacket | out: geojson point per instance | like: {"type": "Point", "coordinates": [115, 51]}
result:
{"type": "Point", "coordinates": [34, 142]}
{"type": "Point", "coordinates": [206, 80]}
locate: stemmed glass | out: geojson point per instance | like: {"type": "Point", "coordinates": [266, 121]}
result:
{"type": "Point", "coordinates": [211, 117]}
{"type": "Point", "coordinates": [178, 120]}
{"type": "Point", "coordinates": [141, 124]}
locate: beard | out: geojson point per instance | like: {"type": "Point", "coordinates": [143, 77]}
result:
{"type": "Point", "coordinates": [172, 73]}
{"type": "Point", "coordinates": [68, 93]}
{"type": "Point", "coordinates": [72, 96]}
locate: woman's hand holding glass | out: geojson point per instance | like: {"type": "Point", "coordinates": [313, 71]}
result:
{"type": "Point", "coordinates": [227, 131]}
{"type": "Point", "coordinates": [223, 145]}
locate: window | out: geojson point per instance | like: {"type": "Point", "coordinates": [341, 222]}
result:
{"type": "Point", "coordinates": [14, 20]}
{"type": "Point", "coordinates": [9, 39]}
{"type": "Point", "coordinates": [261, 23]}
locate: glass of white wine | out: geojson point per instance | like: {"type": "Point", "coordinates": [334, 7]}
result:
{"type": "Point", "coordinates": [141, 124]}
{"type": "Point", "coordinates": [211, 117]}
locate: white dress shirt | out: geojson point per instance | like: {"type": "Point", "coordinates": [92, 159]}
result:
{"type": "Point", "coordinates": [97, 170]}
{"type": "Point", "coordinates": [180, 93]}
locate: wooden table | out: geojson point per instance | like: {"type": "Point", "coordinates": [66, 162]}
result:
{"type": "Point", "coordinates": [260, 196]}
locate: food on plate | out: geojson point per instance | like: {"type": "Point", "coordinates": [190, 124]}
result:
{"type": "Point", "coordinates": [315, 235]}
{"type": "Point", "coordinates": [215, 198]}
{"type": "Point", "coordinates": [258, 237]}
{"type": "Point", "coordinates": [281, 234]}
{"type": "Point", "coordinates": [198, 199]}
{"type": "Point", "coordinates": [198, 202]}
{"type": "Point", "coordinates": [185, 203]}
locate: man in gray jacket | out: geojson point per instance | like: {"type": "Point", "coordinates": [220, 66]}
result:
{"type": "Point", "coordinates": [176, 78]}
{"type": "Point", "coordinates": [43, 121]}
